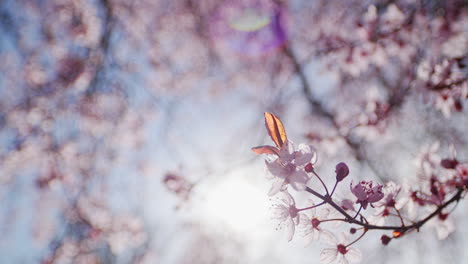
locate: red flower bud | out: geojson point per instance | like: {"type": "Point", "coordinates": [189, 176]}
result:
{"type": "Point", "coordinates": [342, 171]}
{"type": "Point", "coordinates": [309, 167]}
{"type": "Point", "coordinates": [385, 239]}
{"type": "Point", "coordinates": [449, 163]}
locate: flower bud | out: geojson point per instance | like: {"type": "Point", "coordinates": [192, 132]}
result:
{"type": "Point", "coordinates": [385, 239]}
{"type": "Point", "coordinates": [342, 171]}
{"type": "Point", "coordinates": [397, 234]}
{"type": "Point", "coordinates": [309, 167]}
{"type": "Point", "coordinates": [449, 163]}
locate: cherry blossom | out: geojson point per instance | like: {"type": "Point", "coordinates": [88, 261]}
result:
{"type": "Point", "coordinates": [443, 225]}
{"type": "Point", "coordinates": [462, 172]}
{"type": "Point", "coordinates": [367, 193]}
{"type": "Point", "coordinates": [340, 253]}
{"type": "Point", "coordinates": [288, 168]}
{"type": "Point", "coordinates": [383, 207]}
{"type": "Point", "coordinates": [286, 213]}
{"type": "Point", "coordinates": [310, 223]}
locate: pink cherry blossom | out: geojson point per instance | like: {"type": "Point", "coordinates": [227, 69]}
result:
{"type": "Point", "coordinates": [286, 213]}
{"type": "Point", "coordinates": [462, 173]}
{"type": "Point", "coordinates": [310, 223]}
{"type": "Point", "coordinates": [384, 206]}
{"type": "Point", "coordinates": [443, 225]}
{"type": "Point", "coordinates": [340, 253]}
{"type": "Point", "coordinates": [288, 168]}
{"type": "Point", "coordinates": [367, 193]}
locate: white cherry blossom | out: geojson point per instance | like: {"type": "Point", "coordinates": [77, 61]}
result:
{"type": "Point", "coordinates": [288, 168]}
{"type": "Point", "coordinates": [340, 253]}
{"type": "Point", "coordinates": [286, 213]}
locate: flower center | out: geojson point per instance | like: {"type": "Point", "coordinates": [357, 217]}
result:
{"type": "Point", "coordinates": [442, 216]}
{"type": "Point", "coordinates": [315, 222]}
{"type": "Point", "coordinates": [293, 211]}
{"type": "Point", "coordinates": [385, 212]}
{"type": "Point", "coordinates": [342, 249]}
{"type": "Point", "coordinates": [290, 168]}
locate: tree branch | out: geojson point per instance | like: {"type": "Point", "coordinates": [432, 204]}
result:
{"type": "Point", "coordinates": [401, 228]}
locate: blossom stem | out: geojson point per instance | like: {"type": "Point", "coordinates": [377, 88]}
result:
{"type": "Point", "coordinates": [399, 216]}
{"type": "Point", "coordinates": [334, 188]}
{"type": "Point", "coordinates": [333, 219]}
{"type": "Point", "coordinates": [357, 213]}
{"type": "Point", "coordinates": [311, 207]}
{"type": "Point", "coordinates": [357, 239]}
{"type": "Point", "coordinates": [323, 184]}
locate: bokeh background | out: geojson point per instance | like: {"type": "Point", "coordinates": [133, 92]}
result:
{"type": "Point", "coordinates": [126, 125]}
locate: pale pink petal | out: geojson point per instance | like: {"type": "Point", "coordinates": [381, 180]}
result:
{"type": "Point", "coordinates": [296, 220]}
{"type": "Point", "coordinates": [342, 259]}
{"type": "Point", "coordinates": [280, 212]}
{"type": "Point", "coordinates": [312, 211]}
{"type": "Point", "coordinates": [353, 255]}
{"type": "Point", "coordinates": [328, 255]}
{"type": "Point", "coordinates": [276, 186]}
{"type": "Point", "coordinates": [375, 197]}
{"type": "Point", "coordinates": [304, 220]}
{"type": "Point", "coordinates": [275, 169]}
{"type": "Point", "coordinates": [329, 238]}
{"type": "Point", "coordinates": [344, 238]}
{"type": "Point", "coordinates": [305, 154]}
{"type": "Point", "coordinates": [298, 180]}
{"type": "Point", "coordinates": [314, 235]}
{"type": "Point", "coordinates": [444, 228]}
{"type": "Point", "coordinates": [323, 213]}
{"type": "Point", "coordinates": [287, 152]}
{"type": "Point", "coordinates": [359, 191]}
{"type": "Point", "coordinates": [287, 198]}
{"type": "Point", "coordinates": [290, 228]}
{"type": "Point", "coordinates": [309, 239]}
{"type": "Point", "coordinates": [377, 219]}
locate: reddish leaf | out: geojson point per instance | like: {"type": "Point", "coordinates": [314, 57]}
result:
{"type": "Point", "coordinates": [265, 150]}
{"type": "Point", "coordinates": [275, 129]}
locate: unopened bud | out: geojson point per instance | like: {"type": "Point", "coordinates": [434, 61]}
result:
{"type": "Point", "coordinates": [342, 171]}
{"type": "Point", "coordinates": [449, 163]}
{"type": "Point", "coordinates": [385, 239]}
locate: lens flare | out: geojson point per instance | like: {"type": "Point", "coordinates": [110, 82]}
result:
{"type": "Point", "coordinates": [250, 20]}
{"type": "Point", "coordinates": [252, 29]}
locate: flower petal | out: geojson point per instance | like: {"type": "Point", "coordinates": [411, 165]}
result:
{"type": "Point", "coordinates": [275, 169]}
{"type": "Point", "coordinates": [276, 186]}
{"type": "Point", "coordinates": [290, 228]}
{"type": "Point", "coordinates": [328, 255]}
{"type": "Point", "coordinates": [329, 238]}
{"type": "Point", "coordinates": [298, 180]}
{"type": "Point", "coordinates": [354, 255]}
{"type": "Point", "coordinates": [305, 154]}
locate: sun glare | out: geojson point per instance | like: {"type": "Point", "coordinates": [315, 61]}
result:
{"type": "Point", "coordinates": [236, 203]}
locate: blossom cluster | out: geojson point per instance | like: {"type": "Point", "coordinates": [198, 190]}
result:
{"type": "Point", "coordinates": [369, 205]}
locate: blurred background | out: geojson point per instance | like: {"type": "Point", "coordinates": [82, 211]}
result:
{"type": "Point", "coordinates": [126, 125]}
